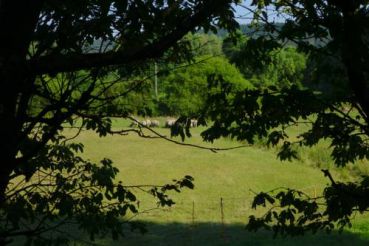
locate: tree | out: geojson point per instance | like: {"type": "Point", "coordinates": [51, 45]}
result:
{"type": "Point", "coordinates": [58, 61]}
{"type": "Point", "coordinates": [205, 44]}
{"type": "Point", "coordinates": [335, 31]}
{"type": "Point", "coordinates": [264, 63]}
{"type": "Point", "coordinates": [175, 80]}
{"type": "Point", "coordinates": [184, 90]}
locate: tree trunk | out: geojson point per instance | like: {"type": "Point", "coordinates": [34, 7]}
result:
{"type": "Point", "coordinates": [355, 59]}
{"type": "Point", "coordinates": [18, 20]}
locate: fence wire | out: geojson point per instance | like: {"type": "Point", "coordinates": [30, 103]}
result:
{"type": "Point", "coordinates": [216, 209]}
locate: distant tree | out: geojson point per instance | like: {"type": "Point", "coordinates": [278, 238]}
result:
{"type": "Point", "coordinates": [335, 35]}
{"type": "Point", "coordinates": [264, 63]}
{"type": "Point", "coordinates": [231, 48]}
{"type": "Point", "coordinates": [286, 68]}
{"type": "Point", "coordinates": [142, 99]}
{"type": "Point", "coordinates": [59, 61]}
{"type": "Point", "coordinates": [205, 44]}
{"type": "Point", "coordinates": [184, 90]}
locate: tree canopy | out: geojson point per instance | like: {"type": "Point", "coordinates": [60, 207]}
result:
{"type": "Point", "coordinates": [335, 104]}
{"type": "Point", "coordinates": [59, 61]}
{"type": "Point", "coordinates": [185, 89]}
{"type": "Point", "coordinates": [264, 63]}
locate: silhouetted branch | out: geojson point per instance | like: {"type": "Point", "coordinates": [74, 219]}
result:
{"type": "Point", "coordinates": [212, 149]}
{"type": "Point", "coordinates": [328, 174]}
{"type": "Point", "coordinates": [74, 62]}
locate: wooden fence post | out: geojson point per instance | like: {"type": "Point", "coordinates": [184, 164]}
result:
{"type": "Point", "coordinates": [222, 218]}
{"type": "Point", "coordinates": [222, 210]}
{"type": "Point", "coordinates": [193, 213]}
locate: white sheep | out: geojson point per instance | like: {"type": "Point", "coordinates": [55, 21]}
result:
{"type": "Point", "coordinates": [155, 123]}
{"type": "Point", "coordinates": [170, 122]}
{"type": "Point", "coordinates": [193, 123]}
{"type": "Point", "coordinates": [146, 122]}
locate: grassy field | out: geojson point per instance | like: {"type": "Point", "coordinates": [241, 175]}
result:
{"type": "Point", "coordinates": [232, 176]}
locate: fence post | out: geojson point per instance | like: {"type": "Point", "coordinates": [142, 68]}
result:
{"type": "Point", "coordinates": [222, 210]}
{"type": "Point", "coordinates": [193, 213]}
{"type": "Point", "coordinates": [222, 218]}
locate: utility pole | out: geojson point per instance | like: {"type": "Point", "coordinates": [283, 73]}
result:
{"type": "Point", "coordinates": [156, 80]}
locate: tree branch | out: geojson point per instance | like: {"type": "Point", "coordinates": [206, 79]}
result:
{"type": "Point", "coordinates": [74, 62]}
{"type": "Point", "coordinates": [185, 144]}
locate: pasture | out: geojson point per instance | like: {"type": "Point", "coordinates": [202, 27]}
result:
{"type": "Point", "coordinates": [216, 211]}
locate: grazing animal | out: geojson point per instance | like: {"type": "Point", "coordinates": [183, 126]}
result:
{"type": "Point", "coordinates": [193, 123]}
{"type": "Point", "coordinates": [155, 123]}
{"type": "Point", "coordinates": [170, 122]}
{"type": "Point", "coordinates": [146, 123]}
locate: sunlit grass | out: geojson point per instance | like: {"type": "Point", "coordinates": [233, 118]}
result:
{"type": "Point", "coordinates": [233, 175]}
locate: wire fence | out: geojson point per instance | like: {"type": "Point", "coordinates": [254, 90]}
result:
{"type": "Point", "coordinates": [220, 209]}
{"type": "Point", "coordinates": [214, 218]}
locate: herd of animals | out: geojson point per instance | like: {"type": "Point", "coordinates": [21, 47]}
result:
{"type": "Point", "coordinates": [155, 123]}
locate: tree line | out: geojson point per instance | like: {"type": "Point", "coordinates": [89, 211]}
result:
{"type": "Point", "coordinates": [183, 87]}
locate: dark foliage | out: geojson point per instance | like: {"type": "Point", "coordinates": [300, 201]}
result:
{"type": "Point", "coordinates": [335, 103]}
{"type": "Point", "coordinates": [62, 64]}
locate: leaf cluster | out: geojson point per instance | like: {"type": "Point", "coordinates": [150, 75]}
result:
{"type": "Point", "coordinates": [65, 190]}
{"type": "Point", "coordinates": [293, 213]}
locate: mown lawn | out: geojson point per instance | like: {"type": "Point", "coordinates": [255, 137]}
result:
{"type": "Point", "coordinates": [232, 175]}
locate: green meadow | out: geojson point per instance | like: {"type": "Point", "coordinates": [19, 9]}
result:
{"type": "Point", "coordinates": [216, 211]}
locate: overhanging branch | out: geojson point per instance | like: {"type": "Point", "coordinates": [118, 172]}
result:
{"type": "Point", "coordinates": [74, 62]}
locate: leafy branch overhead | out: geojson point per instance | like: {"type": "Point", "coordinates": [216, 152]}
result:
{"type": "Point", "coordinates": [332, 101]}
{"type": "Point", "coordinates": [68, 189]}
{"type": "Point", "coordinates": [60, 62]}
{"type": "Point", "coordinates": [270, 113]}
{"type": "Point", "coordinates": [125, 28]}
{"type": "Point", "coordinates": [292, 212]}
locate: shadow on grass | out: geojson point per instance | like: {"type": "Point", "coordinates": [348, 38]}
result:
{"type": "Point", "coordinates": [204, 234]}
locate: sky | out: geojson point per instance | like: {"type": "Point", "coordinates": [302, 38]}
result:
{"type": "Point", "coordinates": [244, 16]}
{"type": "Point", "coordinates": [243, 13]}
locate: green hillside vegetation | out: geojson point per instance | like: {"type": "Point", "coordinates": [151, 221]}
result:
{"type": "Point", "coordinates": [182, 87]}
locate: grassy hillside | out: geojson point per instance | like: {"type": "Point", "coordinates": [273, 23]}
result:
{"type": "Point", "coordinates": [232, 176]}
